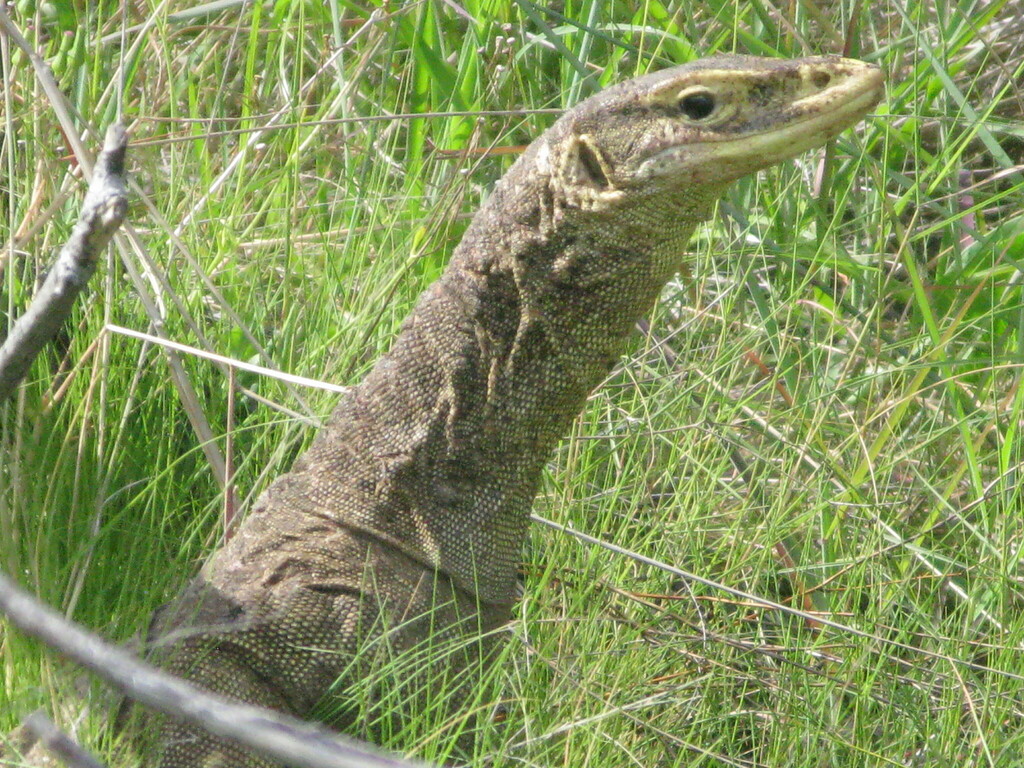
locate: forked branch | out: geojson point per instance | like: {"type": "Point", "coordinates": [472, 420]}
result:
{"type": "Point", "coordinates": [102, 213]}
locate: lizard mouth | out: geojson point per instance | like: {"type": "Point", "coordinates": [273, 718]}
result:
{"type": "Point", "coordinates": [825, 115]}
{"type": "Point", "coordinates": [756, 141]}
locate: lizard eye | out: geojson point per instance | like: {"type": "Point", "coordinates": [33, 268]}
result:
{"type": "Point", "coordinates": [697, 106]}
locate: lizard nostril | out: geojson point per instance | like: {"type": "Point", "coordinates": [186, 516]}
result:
{"type": "Point", "coordinates": [821, 78]}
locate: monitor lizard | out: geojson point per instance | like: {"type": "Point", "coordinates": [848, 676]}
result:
{"type": "Point", "coordinates": [407, 514]}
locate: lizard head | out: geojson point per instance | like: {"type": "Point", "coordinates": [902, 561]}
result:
{"type": "Point", "coordinates": [705, 124]}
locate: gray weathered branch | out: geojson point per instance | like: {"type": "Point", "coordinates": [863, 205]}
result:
{"type": "Point", "coordinates": [284, 738]}
{"type": "Point", "coordinates": [56, 742]}
{"type": "Point", "coordinates": [102, 213]}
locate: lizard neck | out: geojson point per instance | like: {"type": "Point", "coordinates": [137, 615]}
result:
{"type": "Point", "coordinates": [447, 437]}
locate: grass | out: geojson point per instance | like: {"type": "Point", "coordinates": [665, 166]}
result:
{"type": "Point", "coordinates": [825, 413]}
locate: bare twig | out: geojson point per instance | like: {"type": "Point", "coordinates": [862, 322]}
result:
{"type": "Point", "coordinates": [284, 738]}
{"type": "Point", "coordinates": [59, 743]}
{"type": "Point", "coordinates": [102, 213]}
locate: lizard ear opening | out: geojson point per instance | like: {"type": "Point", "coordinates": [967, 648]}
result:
{"type": "Point", "coordinates": [585, 165]}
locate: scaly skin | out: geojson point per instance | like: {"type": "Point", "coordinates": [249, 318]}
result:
{"type": "Point", "coordinates": [412, 504]}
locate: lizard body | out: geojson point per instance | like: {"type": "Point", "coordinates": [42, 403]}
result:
{"type": "Point", "coordinates": [408, 512]}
